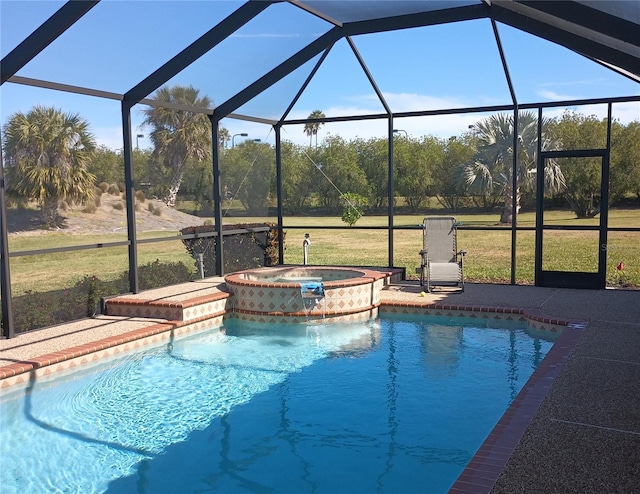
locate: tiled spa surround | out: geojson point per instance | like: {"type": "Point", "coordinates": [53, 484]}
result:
{"type": "Point", "coordinates": [267, 295]}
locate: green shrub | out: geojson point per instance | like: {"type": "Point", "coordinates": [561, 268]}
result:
{"type": "Point", "coordinates": [41, 309]}
{"type": "Point", "coordinates": [91, 207]}
{"type": "Point", "coordinates": [63, 205]}
{"type": "Point", "coordinates": [33, 310]}
{"type": "Point", "coordinates": [121, 187]}
{"type": "Point", "coordinates": [157, 274]}
{"type": "Point", "coordinates": [118, 205]}
{"type": "Point", "coordinates": [352, 207]}
{"type": "Point", "coordinates": [157, 211]}
{"type": "Point", "coordinates": [151, 207]}
{"type": "Point", "coordinates": [104, 187]}
{"type": "Point", "coordinates": [140, 196]}
{"type": "Point", "coordinates": [114, 190]}
{"type": "Point", "coordinates": [97, 191]}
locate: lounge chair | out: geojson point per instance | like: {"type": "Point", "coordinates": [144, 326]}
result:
{"type": "Point", "coordinates": [442, 264]}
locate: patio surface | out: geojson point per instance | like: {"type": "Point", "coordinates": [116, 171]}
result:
{"type": "Point", "coordinates": [585, 436]}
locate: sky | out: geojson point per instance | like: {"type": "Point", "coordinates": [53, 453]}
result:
{"type": "Point", "coordinates": [119, 42]}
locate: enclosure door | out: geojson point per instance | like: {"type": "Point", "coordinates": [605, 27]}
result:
{"type": "Point", "coordinates": [571, 233]}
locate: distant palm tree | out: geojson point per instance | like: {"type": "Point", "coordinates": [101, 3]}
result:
{"type": "Point", "coordinates": [223, 136]}
{"type": "Point", "coordinates": [492, 166]}
{"type": "Point", "coordinates": [179, 134]}
{"type": "Point", "coordinates": [47, 154]}
{"type": "Point", "coordinates": [312, 128]}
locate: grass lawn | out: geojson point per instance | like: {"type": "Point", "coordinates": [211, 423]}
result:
{"type": "Point", "coordinates": [47, 272]}
{"type": "Point", "coordinates": [488, 259]}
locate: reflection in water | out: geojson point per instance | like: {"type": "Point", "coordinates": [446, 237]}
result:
{"type": "Point", "coordinates": [392, 396]}
{"type": "Point", "coordinates": [441, 346]}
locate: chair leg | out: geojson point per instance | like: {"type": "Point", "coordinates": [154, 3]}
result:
{"type": "Point", "coordinates": [423, 269]}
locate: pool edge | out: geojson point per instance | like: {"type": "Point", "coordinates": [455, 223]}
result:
{"type": "Point", "coordinates": [489, 461]}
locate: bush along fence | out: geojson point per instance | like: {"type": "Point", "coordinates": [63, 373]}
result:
{"type": "Point", "coordinates": [41, 309]}
{"type": "Point", "coordinates": [245, 246]}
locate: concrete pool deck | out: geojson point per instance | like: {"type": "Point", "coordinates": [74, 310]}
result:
{"type": "Point", "coordinates": [584, 437]}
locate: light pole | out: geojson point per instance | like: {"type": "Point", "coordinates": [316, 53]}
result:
{"type": "Point", "coordinates": [242, 134]}
{"type": "Point", "coordinates": [138, 136]}
{"type": "Point", "coordinates": [401, 130]}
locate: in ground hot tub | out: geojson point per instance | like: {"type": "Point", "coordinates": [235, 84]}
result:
{"type": "Point", "coordinates": [298, 294]}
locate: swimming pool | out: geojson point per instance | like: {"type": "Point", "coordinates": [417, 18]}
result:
{"type": "Point", "coordinates": [385, 405]}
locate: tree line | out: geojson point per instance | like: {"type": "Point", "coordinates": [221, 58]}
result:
{"type": "Point", "coordinates": [50, 156]}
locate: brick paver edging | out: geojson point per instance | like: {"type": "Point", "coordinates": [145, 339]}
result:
{"type": "Point", "coordinates": [488, 463]}
{"type": "Point", "coordinates": [81, 350]}
{"type": "Point", "coordinates": [25, 366]}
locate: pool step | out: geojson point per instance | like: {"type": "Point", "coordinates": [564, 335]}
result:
{"type": "Point", "coordinates": [186, 302]}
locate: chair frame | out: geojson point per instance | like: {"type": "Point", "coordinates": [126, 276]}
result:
{"type": "Point", "coordinates": [457, 257]}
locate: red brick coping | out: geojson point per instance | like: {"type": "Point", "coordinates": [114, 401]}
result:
{"type": "Point", "coordinates": [488, 463]}
{"type": "Point", "coordinates": [345, 277]}
{"type": "Point", "coordinates": [96, 346]}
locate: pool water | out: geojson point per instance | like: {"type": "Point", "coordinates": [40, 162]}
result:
{"type": "Point", "coordinates": [391, 405]}
{"type": "Point", "coordinates": [295, 279]}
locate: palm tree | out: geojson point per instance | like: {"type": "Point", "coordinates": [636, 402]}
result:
{"type": "Point", "coordinates": [490, 170]}
{"type": "Point", "coordinates": [223, 137]}
{"type": "Point", "coordinates": [312, 128]}
{"type": "Point", "coordinates": [47, 154]}
{"type": "Point", "coordinates": [179, 134]}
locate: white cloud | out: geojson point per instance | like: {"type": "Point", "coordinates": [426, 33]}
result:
{"type": "Point", "coordinates": [553, 96]}
{"type": "Point", "coordinates": [624, 113]}
{"type": "Point", "coordinates": [442, 126]}
{"type": "Point", "coordinates": [582, 82]}
{"type": "Point", "coordinates": [405, 102]}
{"type": "Point", "coordinates": [110, 137]}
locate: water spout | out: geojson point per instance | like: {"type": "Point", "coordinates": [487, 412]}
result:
{"type": "Point", "coordinates": [305, 249]}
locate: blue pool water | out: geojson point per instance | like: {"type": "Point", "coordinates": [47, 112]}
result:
{"type": "Point", "coordinates": [391, 405]}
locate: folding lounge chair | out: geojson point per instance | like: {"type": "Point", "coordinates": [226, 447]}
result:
{"type": "Point", "coordinates": [442, 264]}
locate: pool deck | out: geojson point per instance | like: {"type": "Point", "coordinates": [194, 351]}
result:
{"type": "Point", "coordinates": [585, 435]}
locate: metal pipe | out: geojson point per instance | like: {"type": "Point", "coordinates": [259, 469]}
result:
{"type": "Point", "coordinates": [201, 264]}
{"type": "Point", "coordinates": [305, 249]}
